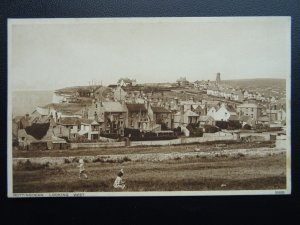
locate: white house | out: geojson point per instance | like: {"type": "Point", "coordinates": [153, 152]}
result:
{"type": "Point", "coordinates": [224, 112]}
{"type": "Point", "coordinates": [212, 111]}
{"type": "Point", "coordinates": [90, 129]}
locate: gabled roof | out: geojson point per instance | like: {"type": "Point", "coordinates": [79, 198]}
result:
{"type": "Point", "coordinates": [199, 108]}
{"type": "Point", "coordinates": [58, 140]}
{"type": "Point", "coordinates": [230, 108]}
{"type": "Point", "coordinates": [248, 105]}
{"type": "Point", "coordinates": [66, 108]}
{"type": "Point", "coordinates": [158, 109]}
{"type": "Point", "coordinates": [213, 106]}
{"type": "Point", "coordinates": [136, 107]}
{"type": "Point", "coordinates": [190, 113]}
{"type": "Point", "coordinates": [69, 121]}
{"type": "Point", "coordinates": [113, 107]}
{"type": "Point", "coordinates": [89, 121]}
{"type": "Point", "coordinates": [206, 118]}
{"type": "Point", "coordinates": [233, 117]}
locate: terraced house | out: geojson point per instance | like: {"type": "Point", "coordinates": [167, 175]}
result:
{"type": "Point", "coordinates": [137, 117]}
{"type": "Point", "coordinates": [249, 109]}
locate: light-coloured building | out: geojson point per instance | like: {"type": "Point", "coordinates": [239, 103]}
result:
{"type": "Point", "coordinates": [224, 113]}
{"type": "Point", "coordinates": [90, 129]}
{"type": "Point", "coordinates": [249, 109]}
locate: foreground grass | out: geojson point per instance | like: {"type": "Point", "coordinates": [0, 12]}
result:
{"type": "Point", "coordinates": [196, 174]}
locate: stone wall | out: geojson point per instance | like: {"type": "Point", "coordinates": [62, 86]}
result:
{"type": "Point", "coordinates": [97, 145]}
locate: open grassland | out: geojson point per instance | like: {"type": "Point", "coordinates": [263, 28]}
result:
{"type": "Point", "coordinates": [195, 174]}
{"type": "Point", "coordinates": [139, 150]}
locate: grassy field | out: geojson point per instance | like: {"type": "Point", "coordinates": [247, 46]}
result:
{"type": "Point", "coordinates": [136, 150]}
{"type": "Point", "coordinates": [197, 174]}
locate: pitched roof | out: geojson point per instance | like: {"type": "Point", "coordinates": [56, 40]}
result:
{"type": "Point", "coordinates": [233, 117]}
{"type": "Point", "coordinates": [199, 108]}
{"type": "Point", "coordinates": [89, 121]}
{"type": "Point", "coordinates": [213, 106]}
{"type": "Point", "coordinates": [206, 118]}
{"type": "Point", "coordinates": [113, 107]}
{"type": "Point", "coordinates": [69, 121]}
{"type": "Point", "coordinates": [136, 107]}
{"type": "Point", "coordinates": [58, 140]}
{"type": "Point", "coordinates": [159, 109]}
{"type": "Point", "coordinates": [190, 113]}
{"type": "Point", "coordinates": [67, 108]}
{"type": "Point", "coordinates": [230, 108]}
{"type": "Point", "coordinates": [248, 105]}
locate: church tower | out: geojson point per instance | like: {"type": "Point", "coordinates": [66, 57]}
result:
{"type": "Point", "coordinates": [218, 78]}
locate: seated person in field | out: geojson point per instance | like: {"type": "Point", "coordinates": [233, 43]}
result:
{"type": "Point", "coordinates": [119, 183]}
{"type": "Point", "coordinates": [82, 169]}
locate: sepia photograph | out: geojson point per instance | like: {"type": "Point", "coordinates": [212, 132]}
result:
{"type": "Point", "coordinates": [159, 106]}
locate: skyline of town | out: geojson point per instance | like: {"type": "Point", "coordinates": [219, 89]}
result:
{"type": "Point", "coordinates": [99, 82]}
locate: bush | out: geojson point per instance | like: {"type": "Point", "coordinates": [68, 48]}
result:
{"type": "Point", "coordinates": [153, 138]}
{"type": "Point", "coordinates": [28, 165]}
{"type": "Point", "coordinates": [234, 125]}
{"type": "Point", "coordinates": [211, 129]}
{"type": "Point", "coordinates": [195, 131]}
{"type": "Point", "coordinates": [177, 131]}
{"type": "Point", "coordinates": [247, 127]}
{"type": "Point", "coordinates": [67, 161]}
{"type": "Point", "coordinates": [164, 126]}
{"type": "Point", "coordinates": [230, 125]}
{"type": "Point", "coordinates": [222, 124]}
{"type": "Point", "coordinates": [132, 132]}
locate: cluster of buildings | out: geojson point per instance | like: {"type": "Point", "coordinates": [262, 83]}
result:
{"type": "Point", "coordinates": [94, 112]}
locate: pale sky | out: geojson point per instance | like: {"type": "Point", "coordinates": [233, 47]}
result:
{"type": "Point", "coordinates": [55, 53]}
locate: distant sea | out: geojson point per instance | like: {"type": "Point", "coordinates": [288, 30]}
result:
{"type": "Point", "coordinates": [26, 101]}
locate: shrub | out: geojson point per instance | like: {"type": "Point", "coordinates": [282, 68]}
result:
{"type": "Point", "coordinates": [222, 124]}
{"type": "Point", "coordinates": [211, 129]}
{"type": "Point", "coordinates": [126, 159]}
{"type": "Point", "coordinates": [98, 160]}
{"type": "Point", "coordinates": [230, 125]}
{"type": "Point", "coordinates": [67, 161]}
{"type": "Point", "coordinates": [132, 132]}
{"type": "Point", "coordinates": [28, 165]}
{"type": "Point", "coordinates": [234, 124]}
{"type": "Point", "coordinates": [153, 138]}
{"type": "Point", "coordinates": [164, 126]}
{"type": "Point", "coordinates": [247, 127]}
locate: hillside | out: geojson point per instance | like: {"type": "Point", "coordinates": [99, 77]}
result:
{"type": "Point", "coordinates": [257, 83]}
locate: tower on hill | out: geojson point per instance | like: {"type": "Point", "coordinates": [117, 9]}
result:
{"type": "Point", "coordinates": [218, 78]}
